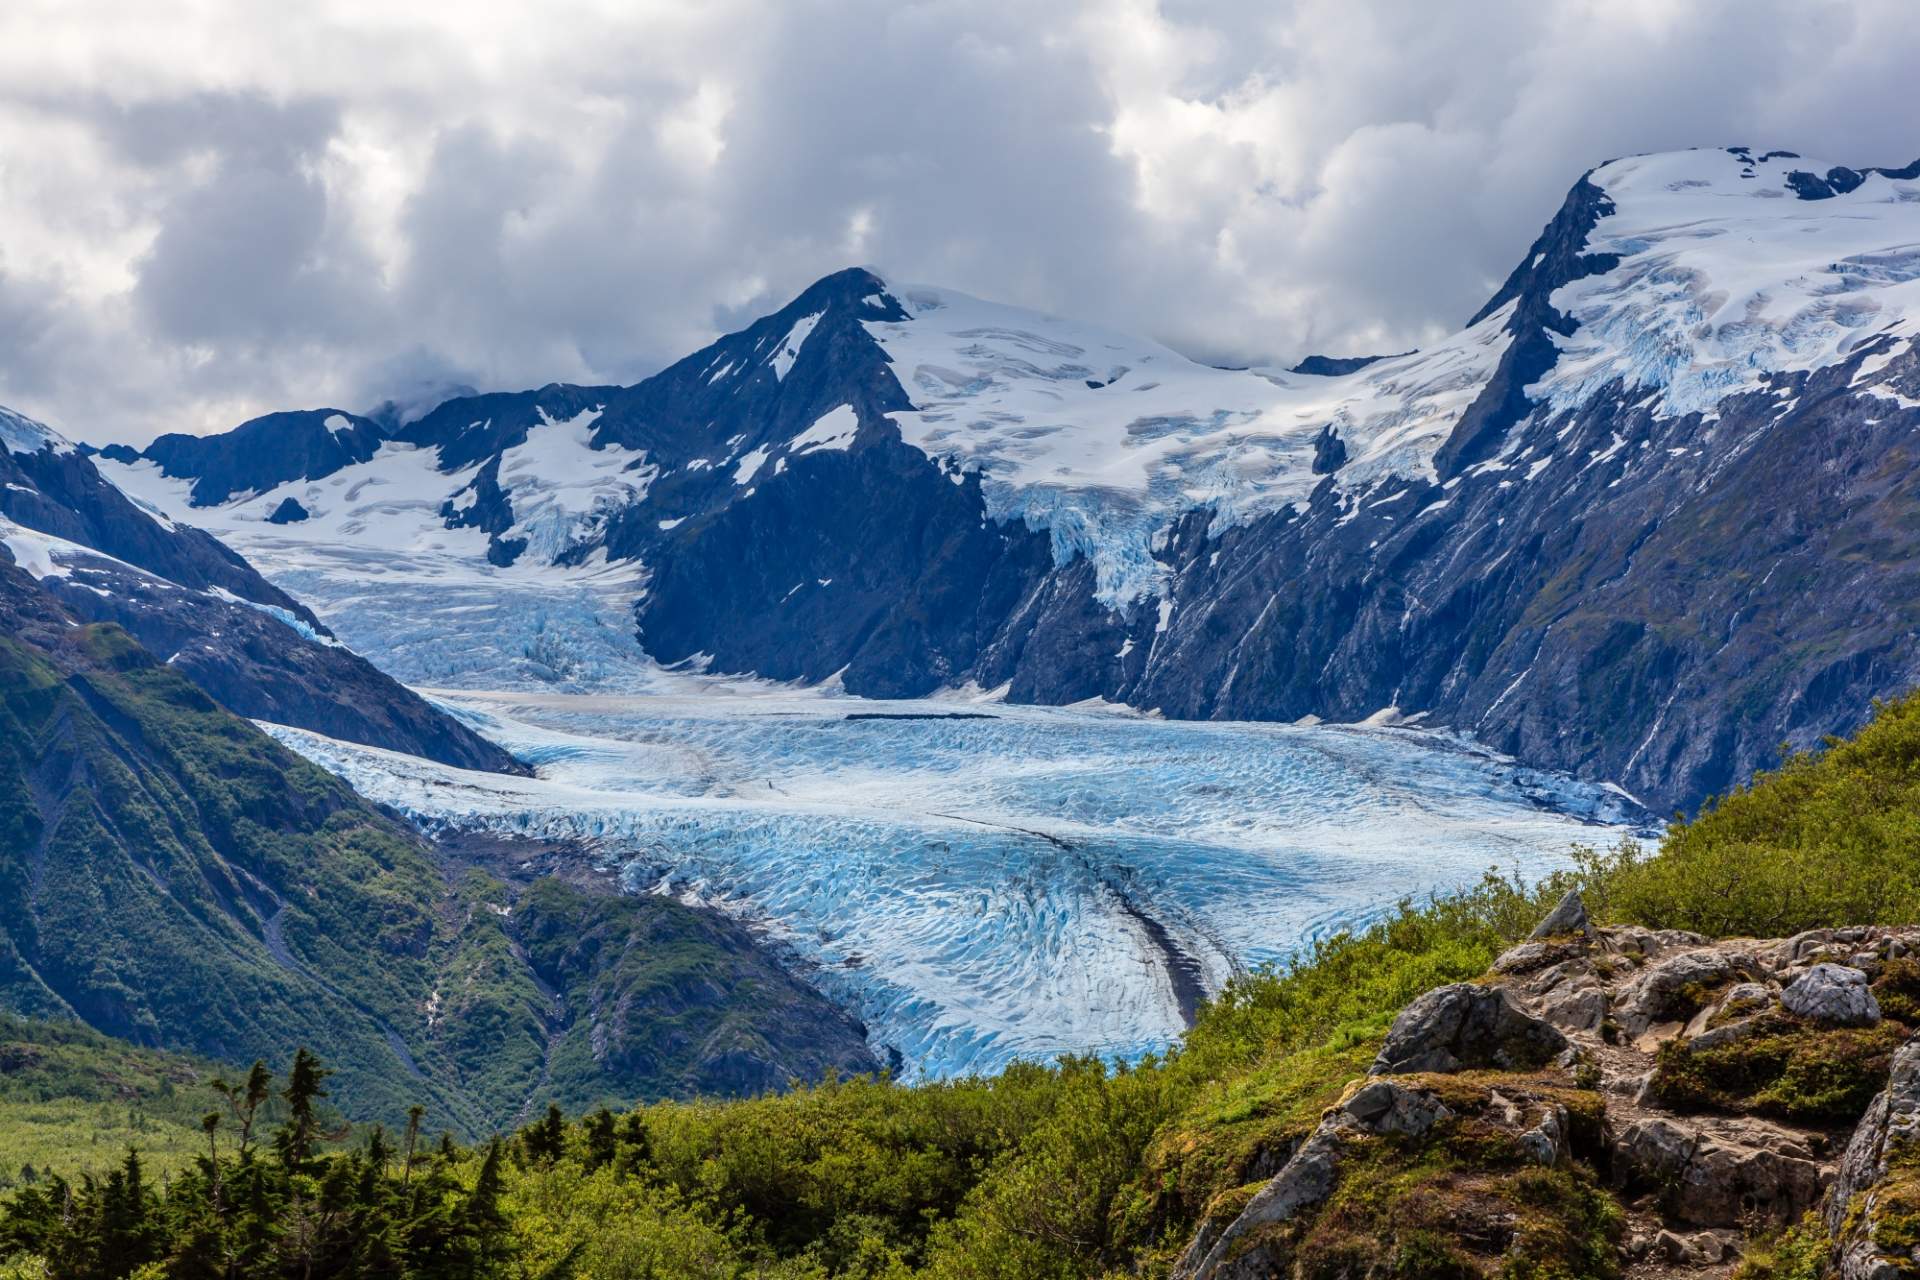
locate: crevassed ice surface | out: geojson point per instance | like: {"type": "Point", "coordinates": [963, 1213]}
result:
{"type": "Point", "coordinates": [1042, 881]}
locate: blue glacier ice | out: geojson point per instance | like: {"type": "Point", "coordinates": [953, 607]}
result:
{"type": "Point", "coordinates": [979, 890]}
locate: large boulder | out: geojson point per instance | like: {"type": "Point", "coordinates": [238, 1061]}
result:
{"type": "Point", "coordinates": [1832, 993]}
{"type": "Point", "coordinates": [1463, 1027]}
{"type": "Point", "coordinates": [1676, 988]}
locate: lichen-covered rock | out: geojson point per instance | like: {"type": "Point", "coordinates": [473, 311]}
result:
{"type": "Point", "coordinates": [1547, 1142]}
{"type": "Point", "coordinates": [1249, 1247]}
{"type": "Point", "coordinates": [1464, 1026]}
{"type": "Point", "coordinates": [1832, 993]}
{"type": "Point", "coordinates": [1872, 1185]}
{"type": "Point", "coordinates": [1306, 1180]}
{"type": "Point", "coordinates": [1382, 1106]}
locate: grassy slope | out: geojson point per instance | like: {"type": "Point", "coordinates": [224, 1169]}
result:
{"type": "Point", "coordinates": [179, 879]}
{"type": "Point", "coordinates": [72, 1100]}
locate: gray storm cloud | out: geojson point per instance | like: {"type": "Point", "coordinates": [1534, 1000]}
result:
{"type": "Point", "coordinates": [208, 213]}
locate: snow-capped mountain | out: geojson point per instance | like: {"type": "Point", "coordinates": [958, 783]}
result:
{"type": "Point", "coordinates": [1644, 517]}
{"type": "Point", "coordinates": [191, 600]}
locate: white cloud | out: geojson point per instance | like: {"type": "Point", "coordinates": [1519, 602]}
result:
{"type": "Point", "coordinates": [212, 209]}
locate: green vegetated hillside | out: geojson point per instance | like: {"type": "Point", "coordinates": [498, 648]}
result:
{"type": "Point", "coordinates": [72, 1101]}
{"type": "Point", "coordinates": [1068, 1170]}
{"type": "Point", "coordinates": [173, 877]}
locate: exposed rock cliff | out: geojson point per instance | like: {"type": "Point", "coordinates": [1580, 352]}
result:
{"type": "Point", "coordinates": [1678, 1100]}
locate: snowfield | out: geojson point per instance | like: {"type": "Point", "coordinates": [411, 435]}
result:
{"type": "Point", "coordinates": [1726, 277]}
{"type": "Point", "coordinates": [1106, 440]}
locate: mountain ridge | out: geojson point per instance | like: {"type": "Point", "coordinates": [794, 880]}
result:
{"type": "Point", "coordinates": [909, 489]}
{"type": "Point", "coordinates": [185, 593]}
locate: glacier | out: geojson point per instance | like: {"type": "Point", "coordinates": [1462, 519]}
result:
{"type": "Point", "coordinates": [1032, 882]}
{"type": "Point", "coordinates": [978, 882]}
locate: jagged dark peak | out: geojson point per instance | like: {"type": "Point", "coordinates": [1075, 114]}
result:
{"type": "Point", "coordinates": [860, 289]}
{"type": "Point", "coordinates": [1558, 255]}
{"type": "Point", "coordinates": [471, 429]}
{"type": "Point", "coordinates": [1838, 180]}
{"type": "Point", "coordinates": [266, 451]}
{"type": "Point", "coordinates": [847, 297]}
{"type": "Point", "coordinates": [1337, 366]}
{"type": "Point", "coordinates": [55, 489]}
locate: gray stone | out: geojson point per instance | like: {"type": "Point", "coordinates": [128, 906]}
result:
{"type": "Point", "coordinates": [1382, 1106]}
{"type": "Point", "coordinates": [1306, 1180]}
{"type": "Point", "coordinates": [1701, 1249]}
{"type": "Point", "coordinates": [1528, 957]}
{"type": "Point", "coordinates": [1546, 1143]}
{"type": "Point", "coordinates": [1662, 991]}
{"type": "Point", "coordinates": [1832, 993]}
{"type": "Point", "coordinates": [1576, 1008]}
{"type": "Point", "coordinates": [1569, 916]}
{"type": "Point", "coordinates": [1715, 1180]}
{"type": "Point", "coordinates": [1462, 1027]}
{"type": "Point", "coordinates": [1892, 1118]}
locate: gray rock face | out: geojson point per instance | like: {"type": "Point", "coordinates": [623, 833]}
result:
{"type": "Point", "coordinates": [1547, 1142]}
{"type": "Point", "coordinates": [1464, 1026]}
{"type": "Point", "coordinates": [1382, 1106]}
{"type": "Point", "coordinates": [1568, 916]}
{"type": "Point", "coordinates": [1710, 1179]}
{"type": "Point", "coordinates": [1379, 1107]}
{"type": "Point", "coordinates": [1529, 956]}
{"type": "Point", "coordinates": [1890, 1123]}
{"type": "Point", "coordinates": [1832, 993]}
{"type": "Point", "coordinates": [1668, 989]}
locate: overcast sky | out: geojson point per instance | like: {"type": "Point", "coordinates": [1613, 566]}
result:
{"type": "Point", "coordinates": [210, 210]}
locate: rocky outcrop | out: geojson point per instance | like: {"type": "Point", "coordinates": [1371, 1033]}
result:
{"type": "Point", "coordinates": [1717, 1176]}
{"type": "Point", "coordinates": [259, 454]}
{"type": "Point", "coordinates": [1377, 1108]}
{"type": "Point", "coordinates": [1729, 1076]}
{"type": "Point", "coordinates": [1568, 918]}
{"type": "Point", "coordinates": [1463, 1026]}
{"type": "Point", "coordinates": [1871, 1213]}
